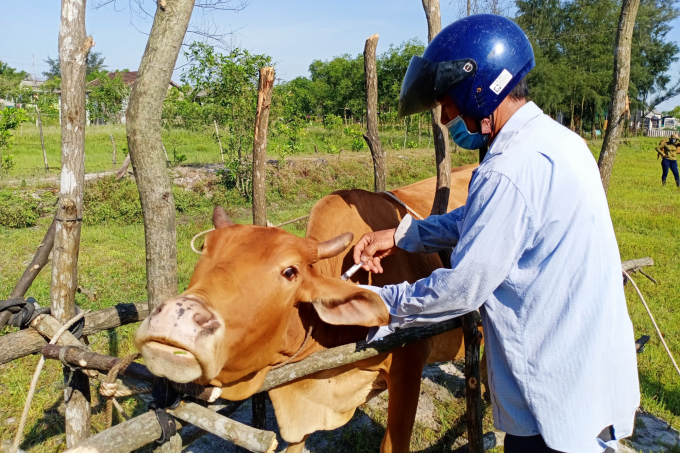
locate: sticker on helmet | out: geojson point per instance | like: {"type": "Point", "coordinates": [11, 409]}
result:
{"type": "Point", "coordinates": [501, 81]}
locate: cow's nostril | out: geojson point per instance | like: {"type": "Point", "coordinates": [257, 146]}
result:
{"type": "Point", "coordinates": [203, 318]}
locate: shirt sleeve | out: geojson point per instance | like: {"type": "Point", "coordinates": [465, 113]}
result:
{"type": "Point", "coordinates": [437, 232]}
{"type": "Point", "coordinates": [495, 232]}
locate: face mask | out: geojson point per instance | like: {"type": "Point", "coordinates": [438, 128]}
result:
{"type": "Point", "coordinates": [463, 137]}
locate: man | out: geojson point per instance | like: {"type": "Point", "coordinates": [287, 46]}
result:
{"type": "Point", "coordinates": [667, 150]}
{"type": "Point", "coordinates": [535, 250]}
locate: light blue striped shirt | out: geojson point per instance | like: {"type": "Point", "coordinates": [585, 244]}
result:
{"type": "Point", "coordinates": [535, 251]}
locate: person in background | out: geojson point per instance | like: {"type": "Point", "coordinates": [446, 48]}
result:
{"type": "Point", "coordinates": [667, 150]}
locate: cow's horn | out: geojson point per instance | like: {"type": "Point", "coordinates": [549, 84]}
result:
{"type": "Point", "coordinates": [335, 246]}
{"type": "Point", "coordinates": [220, 218]}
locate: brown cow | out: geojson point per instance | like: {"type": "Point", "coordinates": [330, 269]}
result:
{"type": "Point", "coordinates": [257, 293]}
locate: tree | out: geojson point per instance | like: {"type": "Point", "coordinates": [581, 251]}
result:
{"type": "Point", "coordinates": [74, 45]}
{"type": "Point", "coordinates": [9, 79]}
{"type": "Point", "coordinates": [146, 152]}
{"type": "Point", "coordinates": [10, 118]}
{"type": "Point", "coordinates": [573, 43]}
{"type": "Point", "coordinates": [95, 63]}
{"type": "Point", "coordinates": [105, 102]}
{"type": "Point", "coordinates": [618, 107]}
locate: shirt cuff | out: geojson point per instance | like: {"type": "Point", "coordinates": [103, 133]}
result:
{"type": "Point", "coordinates": [407, 236]}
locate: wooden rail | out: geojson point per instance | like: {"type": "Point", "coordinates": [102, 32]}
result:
{"type": "Point", "coordinates": [29, 341]}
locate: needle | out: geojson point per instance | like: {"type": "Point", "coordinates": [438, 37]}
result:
{"type": "Point", "coordinates": [352, 270]}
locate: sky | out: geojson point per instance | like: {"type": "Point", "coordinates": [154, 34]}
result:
{"type": "Point", "coordinates": [292, 32]}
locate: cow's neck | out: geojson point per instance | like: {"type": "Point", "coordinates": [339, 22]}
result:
{"type": "Point", "coordinates": [325, 335]}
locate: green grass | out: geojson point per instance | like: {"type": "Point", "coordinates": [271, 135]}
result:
{"type": "Point", "coordinates": [198, 146]}
{"type": "Point", "coordinates": [645, 217]}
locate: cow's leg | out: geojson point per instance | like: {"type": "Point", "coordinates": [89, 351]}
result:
{"type": "Point", "coordinates": [404, 388]}
{"type": "Point", "coordinates": [297, 447]}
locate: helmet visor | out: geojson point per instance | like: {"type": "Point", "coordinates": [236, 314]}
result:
{"type": "Point", "coordinates": [426, 82]}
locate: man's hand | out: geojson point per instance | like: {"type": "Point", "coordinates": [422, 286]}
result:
{"type": "Point", "coordinates": [372, 247]}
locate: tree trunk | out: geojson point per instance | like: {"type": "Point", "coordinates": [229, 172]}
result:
{"type": "Point", "coordinates": [146, 151]}
{"type": "Point", "coordinates": [441, 144]}
{"type": "Point", "coordinates": [371, 136]}
{"type": "Point", "coordinates": [264, 100]}
{"type": "Point", "coordinates": [148, 159]}
{"type": "Point", "coordinates": [74, 45]}
{"type": "Point", "coordinates": [624, 37]}
{"type": "Point", "coordinates": [593, 134]}
{"type": "Point", "coordinates": [219, 141]}
{"type": "Point", "coordinates": [113, 143]}
{"type": "Point", "coordinates": [42, 140]}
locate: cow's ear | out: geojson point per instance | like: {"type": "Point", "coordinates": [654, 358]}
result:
{"type": "Point", "coordinates": [341, 303]}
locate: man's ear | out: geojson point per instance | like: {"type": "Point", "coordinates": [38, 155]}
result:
{"type": "Point", "coordinates": [341, 303]}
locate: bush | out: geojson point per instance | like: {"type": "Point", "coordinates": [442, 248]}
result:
{"type": "Point", "coordinates": [108, 200]}
{"type": "Point", "coordinates": [17, 211]}
{"type": "Point", "coordinates": [332, 122]}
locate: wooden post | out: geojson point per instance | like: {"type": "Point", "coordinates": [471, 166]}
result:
{"type": "Point", "coordinates": [219, 141]}
{"type": "Point", "coordinates": [264, 99]}
{"type": "Point", "coordinates": [405, 132]}
{"type": "Point", "coordinates": [473, 387]}
{"type": "Point", "coordinates": [37, 263]}
{"type": "Point", "coordinates": [74, 46]}
{"type": "Point", "coordinates": [624, 39]}
{"type": "Point", "coordinates": [441, 144]}
{"type": "Point", "coordinates": [42, 140]}
{"type": "Point", "coordinates": [420, 125]}
{"type": "Point", "coordinates": [123, 168]}
{"type": "Point", "coordinates": [371, 136]}
{"type": "Point", "coordinates": [114, 149]}
{"type": "Point", "coordinates": [146, 149]}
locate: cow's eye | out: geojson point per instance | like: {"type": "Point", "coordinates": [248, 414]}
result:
{"type": "Point", "coordinates": [290, 272]}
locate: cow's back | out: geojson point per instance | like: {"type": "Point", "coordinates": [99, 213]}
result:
{"type": "Point", "coordinates": [359, 211]}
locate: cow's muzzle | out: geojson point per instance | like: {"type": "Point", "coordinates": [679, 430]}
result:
{"type": "Point", "coordinates": [182, 340]}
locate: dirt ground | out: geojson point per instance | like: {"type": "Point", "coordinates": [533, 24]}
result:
{"type": "Point", "coordinates": [440, 382]}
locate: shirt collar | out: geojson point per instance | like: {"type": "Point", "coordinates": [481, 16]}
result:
{"type": "Point", "coordinates": [517, 121]}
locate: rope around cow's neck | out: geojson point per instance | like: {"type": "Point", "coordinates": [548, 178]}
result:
{"type": "Point", "coordinates": [290, 359]}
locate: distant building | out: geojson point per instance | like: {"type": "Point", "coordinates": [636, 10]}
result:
{"type": "Point", "coordinates": [35, 84]}
{"type": "Point", "coordinates": [669, 122]}
{"type": "Point", "coordinates": [653, 120]}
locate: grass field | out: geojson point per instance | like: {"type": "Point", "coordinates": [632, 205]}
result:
{"type": "Point", "coordinates": [645, 217]}
{"type": "Point", "coordinates": [199, 146]}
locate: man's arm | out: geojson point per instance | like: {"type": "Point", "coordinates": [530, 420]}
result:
{"type": "Point", "coordinates": [424, 236]}
{"type": "Point", "coordinates": [437, 232]}
{"type": "Point", "coordinates": [496, 231]}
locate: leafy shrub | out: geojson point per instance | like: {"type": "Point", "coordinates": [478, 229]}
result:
{"type": "Point", "coordinates": [17, 211]}
{"type": "Point", "coordinates": [332, 122]}
{"type": "Point", "coordinates": [187, 200]}
{"type": "Point", "coordinates": [108, 200]}
{"type": "Point", "coordinates": [179, 158]}
{"type": "Point", "coordinates": [7, 163]}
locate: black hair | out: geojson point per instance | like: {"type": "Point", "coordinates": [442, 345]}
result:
{"type": "Point", "coordinates": [521, 91]}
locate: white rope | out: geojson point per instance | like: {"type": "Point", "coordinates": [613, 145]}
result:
{"type": "Point", "coordinates": [18, 438]}
{"type": "Point", "coordinates": [404, 205]}
{"type": "Point", "coordinates": [658, 332]}
{"type": "Point", "coordinates": [196, 237]}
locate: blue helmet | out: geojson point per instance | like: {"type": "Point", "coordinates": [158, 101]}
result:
{"type": "Point", "coordinates": [476, 60]}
